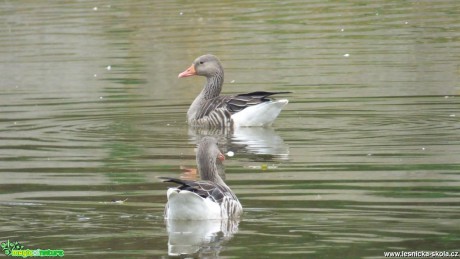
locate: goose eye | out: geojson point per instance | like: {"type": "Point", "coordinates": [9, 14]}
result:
{"type": "Point", "coordinates": [201, 62]}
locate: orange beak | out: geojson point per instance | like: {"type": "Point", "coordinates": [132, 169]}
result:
{"type": "Point", "coordinates": [189, 72]}
{"type": "Point", "coordinates": [221, 157]}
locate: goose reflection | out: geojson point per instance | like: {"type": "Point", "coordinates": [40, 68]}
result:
{"type": "Point", "coordinates": [199, 238]}
{"type": "Point", "coordinates": [252, 140]}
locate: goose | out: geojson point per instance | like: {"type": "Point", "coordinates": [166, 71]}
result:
{"type": "Point", "coordinates": [208, 198]}
{"type": "Point", "coordinates": [209, 109]}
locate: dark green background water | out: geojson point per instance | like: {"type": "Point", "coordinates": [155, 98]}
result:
{"type": "Point", "coordinates": [364, 159]}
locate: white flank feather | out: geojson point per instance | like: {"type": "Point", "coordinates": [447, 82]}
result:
{"type": "Point", "coordinates": [186, 205]}
{"type": "Point", "coordinates": [261, 115]}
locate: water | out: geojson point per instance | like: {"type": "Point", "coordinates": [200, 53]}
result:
{"type": "Point", "coordinates": [364, 159]}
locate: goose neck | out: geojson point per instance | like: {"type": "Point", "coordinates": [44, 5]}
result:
{"type": "Point", "coordinates": [209, 172]}
{"type": "Point", "coordinates": [213, 86]}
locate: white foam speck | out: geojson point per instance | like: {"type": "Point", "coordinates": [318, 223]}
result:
{"type": "Point", "coordinates": [346, 55]}
{"type": "Point", "coordinates": [109, 67]}
{"type": "Point", "coordinates": [82, 218]}
{"type": "Point", "coordinates": [230, 153]}
{"type": "Point", "coordinates": [95, 8]}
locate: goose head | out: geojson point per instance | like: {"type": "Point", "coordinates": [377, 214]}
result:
{"type": "Point", "coordinates": [207, 65]}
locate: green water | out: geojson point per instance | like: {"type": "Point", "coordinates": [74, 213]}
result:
{"type": "Point", "coordinates": [364, 159]}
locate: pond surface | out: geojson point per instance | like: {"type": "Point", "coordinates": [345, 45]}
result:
{"type": "Point", "coordinates": [364, 159]}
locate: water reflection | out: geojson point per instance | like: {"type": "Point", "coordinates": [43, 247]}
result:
{"type": "Point", "coordinates": [199, 238]}
{"type": "Point", "coordinates": [252, 140]}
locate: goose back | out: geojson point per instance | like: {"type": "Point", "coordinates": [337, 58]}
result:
{"type": "Point", "coordinates": [220, 194]}
{"type": "Point", "coordinates": [218, 111]}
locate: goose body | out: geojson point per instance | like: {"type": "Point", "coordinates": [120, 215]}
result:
{"type": "Point", "coordinates": [209, 198]}
{"type": "Point", "coordinates": [213, 110]}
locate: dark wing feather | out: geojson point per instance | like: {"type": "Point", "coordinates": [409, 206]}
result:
{"type": "Point", "coordinates": [205, 189]}
{"type": "Point", "coordinates": [242, 101]}
{"type": "Point", "coordinates": [236, 103]}
{"type": "Point", "coordinates": [212, 105]}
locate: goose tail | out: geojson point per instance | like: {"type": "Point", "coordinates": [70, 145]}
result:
{"type": "Point", "coordinates": [261, 115]}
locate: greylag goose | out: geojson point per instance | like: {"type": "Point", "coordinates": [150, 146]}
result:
{"type": "Point", "coordinates": [209, 198]}
{"type": "Point", "coordinates": [212, 110]}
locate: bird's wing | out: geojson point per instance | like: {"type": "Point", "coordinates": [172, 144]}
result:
{"type": "Point", "coordinates": [228, 105]}
{"type": "Point", "coordinates": [205, 189]}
